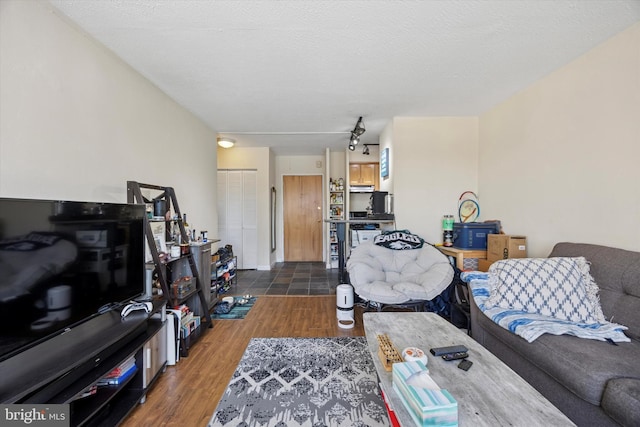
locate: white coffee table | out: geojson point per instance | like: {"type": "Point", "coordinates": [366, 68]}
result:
{"type": "Point", "coordinates": [489, 394]}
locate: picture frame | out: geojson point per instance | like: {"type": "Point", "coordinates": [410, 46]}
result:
{"type": "Point", "coordinates": [384, 163]}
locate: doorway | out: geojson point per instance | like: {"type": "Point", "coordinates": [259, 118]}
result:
{"type": "Point", "coordinates": [302, 217]}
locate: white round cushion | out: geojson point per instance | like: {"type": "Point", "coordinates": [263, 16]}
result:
{"type": "Point", "coordinates": [393, 276]}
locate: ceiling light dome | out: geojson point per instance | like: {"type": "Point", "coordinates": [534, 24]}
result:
{"type": "Point", "coordinates": [226, 142]}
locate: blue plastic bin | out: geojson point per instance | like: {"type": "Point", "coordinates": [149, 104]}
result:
{"type": "Point", "coordinates": [473, 235]}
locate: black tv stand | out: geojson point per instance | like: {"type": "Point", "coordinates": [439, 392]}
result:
{"type": "Point", "coordinates": [62, 368]}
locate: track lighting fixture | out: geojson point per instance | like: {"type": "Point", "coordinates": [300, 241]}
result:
{"type": "Point", "coordinates": [355, 134]}
{"type": "Point", "coordinates": [365, 150]}
{"type": "Point", "coordinates": [359, 129]}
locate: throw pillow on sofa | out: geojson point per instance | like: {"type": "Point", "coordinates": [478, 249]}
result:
{"type": "Point", "coordinates": [561, 287]}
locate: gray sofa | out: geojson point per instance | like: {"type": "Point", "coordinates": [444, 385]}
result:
{"type": "Point", "coordinates": [593, 382]}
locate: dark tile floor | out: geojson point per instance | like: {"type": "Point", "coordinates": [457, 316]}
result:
{"type": "Point", "coordinates": [287, 278]}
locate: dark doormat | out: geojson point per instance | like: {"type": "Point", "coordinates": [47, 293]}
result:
{"type": "Point", "coordinates": [240, 308]}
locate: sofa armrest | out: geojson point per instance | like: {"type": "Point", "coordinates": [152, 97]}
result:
{"type": "Point", "coordinates": [477, 330]}
{"type": "Point", "coordinates": [621, 400]}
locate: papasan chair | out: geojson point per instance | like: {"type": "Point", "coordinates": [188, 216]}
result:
{"type": "Point", "coordinates": [399, 269]}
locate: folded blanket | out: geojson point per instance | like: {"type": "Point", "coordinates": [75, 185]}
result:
{"type": "Point", "coordinates": [530, 325]}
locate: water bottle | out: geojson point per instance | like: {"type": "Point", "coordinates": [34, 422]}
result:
{"type": "Point", "coordinates": [447, 230]}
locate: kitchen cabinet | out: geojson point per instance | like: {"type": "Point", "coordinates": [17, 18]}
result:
{"type": "Point", "coordinates": [363, 174]}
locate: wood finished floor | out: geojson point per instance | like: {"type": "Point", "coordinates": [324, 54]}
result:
{"type": "Point", "coordinates": [188, 393]}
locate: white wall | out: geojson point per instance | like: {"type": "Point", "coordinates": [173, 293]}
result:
{"type": "Point", "coordinates": [76, 122]}
{"type": "Point", "coordinates": [258, 159]}
{"type": "Point", "coordinates": [433, 160]}
{"type": "Point", "coordinates": [357, 156]}
{"type": "Point", "coordinates": [338, 164]}
{"type": "Point", "coordinates": [559, 161]}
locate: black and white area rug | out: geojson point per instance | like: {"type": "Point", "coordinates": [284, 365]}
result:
{"type": "Point", "coordinates": [312, 382]}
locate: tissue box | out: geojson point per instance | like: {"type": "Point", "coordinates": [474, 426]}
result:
{"type": "Point", "coordinates": [427, 403]}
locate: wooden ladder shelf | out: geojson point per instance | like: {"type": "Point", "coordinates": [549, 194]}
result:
{"type": "Point", "coordinates": [134, 195]}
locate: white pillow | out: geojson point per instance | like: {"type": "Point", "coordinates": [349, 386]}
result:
{"type": "Point", "coordinates": [560, 287]}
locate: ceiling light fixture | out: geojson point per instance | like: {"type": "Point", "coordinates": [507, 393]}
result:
{"type": "Point", "coordinates": [355, 134]}
{"type": "Point", "coordinates": [365, 150]}
{"type": "Point", "coordinates": [226, 142]}
{"type": "Point", "coordinates": [359, 129]}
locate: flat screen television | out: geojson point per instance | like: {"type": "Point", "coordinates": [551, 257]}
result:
{"type": "Point", "coordinates": [61, 262]}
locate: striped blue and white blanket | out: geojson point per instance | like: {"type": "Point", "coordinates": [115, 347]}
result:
{"type": "Point", "coordinates": [531, 325]}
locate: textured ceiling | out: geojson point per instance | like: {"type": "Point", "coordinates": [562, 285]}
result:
{"type": "Point", "coordinates": [296, 75]}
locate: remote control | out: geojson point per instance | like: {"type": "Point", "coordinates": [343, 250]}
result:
{"type": "Point", "coordinates": [465, 364]}
{"type": "Point", "coordinates": [439, 351]}
{"type": "Point", "coordinates": [455, 356]}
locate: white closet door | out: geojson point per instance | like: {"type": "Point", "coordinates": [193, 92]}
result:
{"type": "Point", "coordinates": [222, 206]}
{"type": "Point", "coordinates": [250, 219]}
{"type": "Point", "coordinates": [237, 215]}
{"type": "Point", "coordinates": [234, 214]}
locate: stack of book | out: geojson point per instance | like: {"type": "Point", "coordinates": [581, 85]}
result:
{"type": "Point", "coordinates": [119, 374]}
{"type": "Point", "coordinates": [189, 323]}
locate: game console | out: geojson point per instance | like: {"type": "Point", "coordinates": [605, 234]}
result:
{"type": "Point", "coordinates": [137, 306]}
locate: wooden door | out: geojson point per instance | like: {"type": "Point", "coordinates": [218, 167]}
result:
{"type": "Point", "coordinates": [302, 216]}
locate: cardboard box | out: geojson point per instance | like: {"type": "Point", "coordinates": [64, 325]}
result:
{"type": "Point", "coordinates": [484, 264]}
{"type": "Point", "coordinates": [503, 246]}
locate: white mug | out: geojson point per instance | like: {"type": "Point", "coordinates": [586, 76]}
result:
{"type": "Point", "coordinates": [175, 251]}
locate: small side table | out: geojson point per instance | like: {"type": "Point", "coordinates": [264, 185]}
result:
{"type": "Point", "coordinates": [461, 254]}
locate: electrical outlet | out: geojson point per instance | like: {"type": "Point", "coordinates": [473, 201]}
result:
{"type": "Point", "coordinates": [319, 163]}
